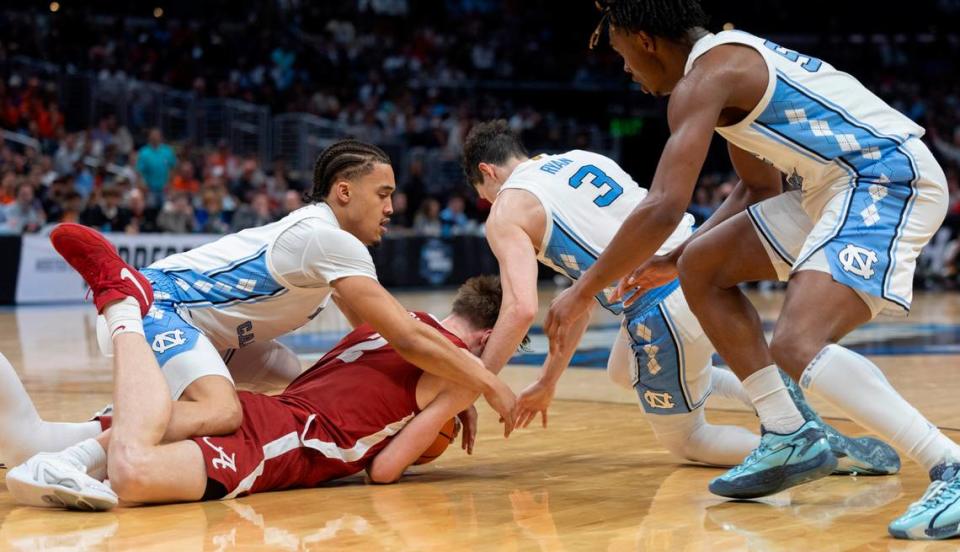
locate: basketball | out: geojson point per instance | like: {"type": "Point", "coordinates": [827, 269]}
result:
{"type": "Point", "coordinates": [440, 444]}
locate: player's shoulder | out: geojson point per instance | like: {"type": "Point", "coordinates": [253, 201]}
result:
{"type": "Point", "coordinates": [317, 222]}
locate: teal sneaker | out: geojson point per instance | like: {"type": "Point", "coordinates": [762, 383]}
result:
{"type": "Point", "coordinates": [937, 514]}
{"type": "Point", "coordinates": [855, 455]}
{"type": "Point", "coordinates": [780, 462]}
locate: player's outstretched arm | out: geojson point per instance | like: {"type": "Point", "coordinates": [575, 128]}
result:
{"type": "Point", "coordinates": [695, 106]}
{"type": "Point", "coordinates": [539, 394]}
{"type": "Point", "coordinates": [417, 435]}
{"type": "Point", "coordinates": [423, 345]}
{"type": "Point", "coordinates": [515, 253]}
{"type": "Point", "coordinates": [758, 181]}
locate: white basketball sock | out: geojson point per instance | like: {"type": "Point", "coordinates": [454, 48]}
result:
{"type": "Point", "coordinates": [22, 432]}
{"type": "Point", "coordinates": [91, 454]}
{"type": "Point", "coordinates": [769, 395]}
{"type": "Point", "coordinates": [124, 316]}
{"type": "Point", "coordinates": [689, 436]}
{"type": "Point", "coordinates": [858, 388]}
{"type": "Point", "coordinates": [726, 384]}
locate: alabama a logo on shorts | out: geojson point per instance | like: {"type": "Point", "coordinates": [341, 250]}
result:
{"type": "Point", "coordinates": [225, 461]}
{"type": "Point", "coordinates": [858, 260]}
{"type": "Point", "coordinates": [658, 400]}
{"type": "Point", "coordinates": [167, 340]}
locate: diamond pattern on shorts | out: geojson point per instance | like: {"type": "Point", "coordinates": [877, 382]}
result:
{"type": "Point", "coordinates": [570, 261]}
{"type": "Point", "coordinates": [848, 142]}
{"type": "Point", "coordinates": [820, 128]}
{"type": "Point", "coordinates": [870, 214]}
{"type": "Point", "coordinates": [203, 286]}
{"type": "Point", "coordinates": [796, 115]}
{"type": "Point", "coordinates": [246, 285]}
{"type": "Point", "coordinates": [878, 192]}
{"type": "Point", "coordinates": [872, 152]}
{"type": "Point", "coordinates": [643, 332]}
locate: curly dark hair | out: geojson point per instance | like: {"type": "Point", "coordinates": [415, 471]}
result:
{"type": "Point", "coordinates": [344, 159]}
{"type": "Point", "coordinates": [665, 18]}
{"type": "Point", "coordinates": [478, 301]}
{"type": "Point", "coordinates": [491, 142]}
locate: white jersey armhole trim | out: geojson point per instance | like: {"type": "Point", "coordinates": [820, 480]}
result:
{"type": "Point", "coordinates": [771, 77]}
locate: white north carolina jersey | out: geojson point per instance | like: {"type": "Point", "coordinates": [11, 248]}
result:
{"type": "Point", "coordinates": [586, 197]}
{"type": "Point", "coordinates": [264, 282]}
{"type": "Point", "coordinates": [817, 124]}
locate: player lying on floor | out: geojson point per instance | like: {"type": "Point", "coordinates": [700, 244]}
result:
{"type": "Point", "coordinates": [360, 407]}
{"type": "Point", "coordinates": [544, 210]}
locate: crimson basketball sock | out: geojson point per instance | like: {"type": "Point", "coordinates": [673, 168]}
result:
{"type": "Point", "coordinates": [858, 388]}
{"type": "Point", "coordinates": [776, 409]}
{"type": "Point", "coordinates": [91, 454]}
{"type": "Point", "coordinates": [22, 432]}
{"type": "Point", "coordinates": [124, 316]}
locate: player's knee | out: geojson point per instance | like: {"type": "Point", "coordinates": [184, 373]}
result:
{"type": "Point", "coordinates": [793, 351]}
{"type": "Point", "coordinates": [694, 268]}
{"type": "Point", "coordinates": [129, 473]}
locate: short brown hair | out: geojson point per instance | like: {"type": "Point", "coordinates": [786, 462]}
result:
{"type": "Point", "coordinates": [478, 301]}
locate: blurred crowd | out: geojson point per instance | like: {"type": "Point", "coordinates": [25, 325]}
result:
{"type": "Point", "coordinates": [364, 64]}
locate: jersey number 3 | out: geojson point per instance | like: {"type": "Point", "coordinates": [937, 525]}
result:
{"type": "Point", "coordinates": [599, 179]}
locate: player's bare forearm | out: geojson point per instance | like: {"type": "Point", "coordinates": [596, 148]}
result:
{"type": "Point", "coordinates": [557, 361]}
{"type": "Point", "coordinates": [518, 278]}
{"type": "Point", "coordinates": [639, 238]}
{"type": "Point", "coordinates": [388, 466]}
{"type": "Point", "coordinates": [415, 341]}
{"type": "Point", "coordinates": [505, 339]}
{"type": "Point", "coordinates": [433, 353]}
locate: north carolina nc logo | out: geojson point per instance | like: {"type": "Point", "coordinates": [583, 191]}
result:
{"type": "Point", "coordinates": [857, 260]}
{"type": "Point", "coordinates": [167, 340]}
{"type": "Point", "coordinates": [658, 400]}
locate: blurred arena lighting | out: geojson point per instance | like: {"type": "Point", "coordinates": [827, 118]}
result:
{"type": "Point", "coordinates": [158, 12]}
{"type": "Point", "coordinates": [728, 26]}
{"type": "Point", "coordinates": [54, 7]}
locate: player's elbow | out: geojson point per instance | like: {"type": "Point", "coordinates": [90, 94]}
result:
{"type": "Point", "coordinates": [381, 474]}
{"type": "Point", "coordinates": [523, 313]}
{"type": "Point", "coordinates": [230, 418]}
{"type": "Point", "coordinates": [666, 213]}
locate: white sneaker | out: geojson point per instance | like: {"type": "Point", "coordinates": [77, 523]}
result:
{"type": "Point", "coordinates": [51, 480]}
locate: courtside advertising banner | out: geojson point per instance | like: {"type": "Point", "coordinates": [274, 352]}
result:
{"type": "Point", "coordinates": [44, 277]}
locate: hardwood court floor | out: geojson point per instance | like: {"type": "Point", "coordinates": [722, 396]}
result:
{"type": "Point", "coordinates": [594, 480]}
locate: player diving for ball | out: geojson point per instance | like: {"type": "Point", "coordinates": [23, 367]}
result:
{"type": "Point", "coordinates": [220, 306]}
{"type": "Point", "coordinates": [866, 196]}
{"type": "Point", "coordinates": [562, 210]}
{"type": "Point", "coordinates": [362, 406]}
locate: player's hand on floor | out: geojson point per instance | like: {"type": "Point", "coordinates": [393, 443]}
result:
{"type": "Point", "coordinates": [535, 398]}
{"type": "Point", "coordinates": [468, 419]}
{"type": "Point", "coordinates": [502, 399]}
{"type": "Point", "coordinates": [657, 271]}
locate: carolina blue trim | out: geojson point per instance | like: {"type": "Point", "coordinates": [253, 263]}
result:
{"type": "Point", "coordinates": [216, 271]}
{"type": "Point", "coordinates": [681, 360]}
{"type": "Point", "coordinates": [222, 283]}
{"type": "Point", "coordinates": [573, 236]}
{"type": "Point", "coordinates": [850, 118]}
{"type": "Point", "coordinates": [785, 140]}
{"type": "Point", "coordinates": [768, 236]}
{"type": "Point", "coordinates": [914, 193]}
